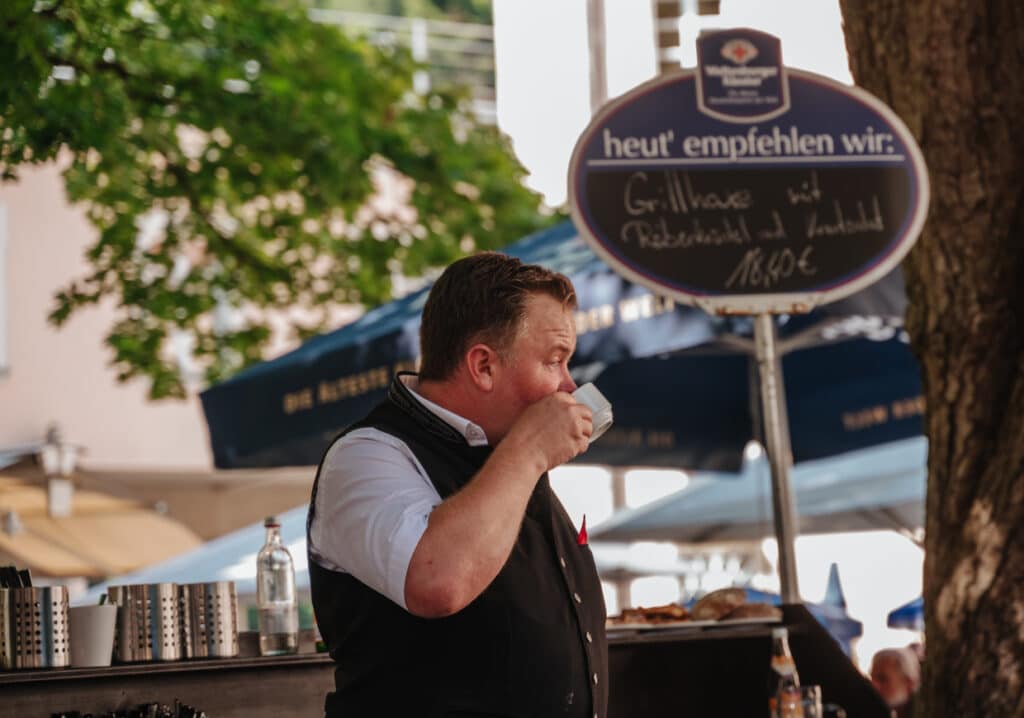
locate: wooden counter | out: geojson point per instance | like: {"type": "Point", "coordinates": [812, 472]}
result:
{"type": "Point", "coordinates": [721, 671]}
{"type": "Point", "coordinates": [277, 686]}
{"type": "Point", "coordinates": [725, 671]}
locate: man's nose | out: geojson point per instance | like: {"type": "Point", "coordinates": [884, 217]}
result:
{"type": "Point", "coordinates": [567, 385]}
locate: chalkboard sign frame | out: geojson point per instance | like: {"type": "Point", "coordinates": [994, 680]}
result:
{"type": "Point", "coordinates": [809, 93]}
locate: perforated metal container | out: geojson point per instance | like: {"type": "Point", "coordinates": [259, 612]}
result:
{"type": "Point", "coordinates": [6, 639]}
{"type": "Point", "coordinates": [34, 627]}
{"type": "Point", "coordinates": [211, 627]}
{"type": "Point", "coordinates": [148, 622]}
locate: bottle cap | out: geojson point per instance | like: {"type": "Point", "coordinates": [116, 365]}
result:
{"type": "Point", "coordinates": [271, 521]}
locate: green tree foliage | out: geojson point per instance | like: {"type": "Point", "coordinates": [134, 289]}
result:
{"type": "Point", "coordinates": [227, 154]}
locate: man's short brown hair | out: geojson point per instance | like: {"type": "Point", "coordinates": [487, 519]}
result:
{"type": "Point", "coordinates": [481, 298]}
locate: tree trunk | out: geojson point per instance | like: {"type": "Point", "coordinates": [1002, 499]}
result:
{"type": "Point", "coordinates": [954, 71]}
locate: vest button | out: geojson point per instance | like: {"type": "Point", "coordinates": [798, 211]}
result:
{"type": "Point", "coordinates": [561, 560]}
{"type": "Point", "coordinates": [595, 679]}
{"type": "Point", "coordinates": [577, 598]}
{"type": "Point", "coordinates": [590, 639]}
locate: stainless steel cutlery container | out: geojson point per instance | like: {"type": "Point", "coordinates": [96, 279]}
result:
{"type": "Point", "coordinates": [148, 622]}
{"type": "Point", "coordinates": [34, 627]}
{"type": "Point", "coordinates": [209, 619]}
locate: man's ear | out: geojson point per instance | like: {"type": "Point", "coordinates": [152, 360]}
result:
{"type": "Point", "coordinates": [481, 363]}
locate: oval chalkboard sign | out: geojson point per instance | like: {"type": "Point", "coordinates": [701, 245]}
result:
{"type": "Point", "coordinates": [746, 186]}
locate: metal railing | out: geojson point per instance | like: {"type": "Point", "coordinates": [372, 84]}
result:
{"type": "Point", "coordinates": [453, 53]}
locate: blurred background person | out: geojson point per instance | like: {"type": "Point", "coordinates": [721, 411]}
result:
{"type": "Point", "coordinates": [896, 673]}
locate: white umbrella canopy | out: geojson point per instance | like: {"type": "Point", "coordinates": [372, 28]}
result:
{"type": "Point", "coordinates": [233, 558]}
{"type": "Point", "coordinates": [100, 536]}
{"type": "Point", "coordinates": [878, 488]}
{"type": "Point", "coordinates": [229, 558]}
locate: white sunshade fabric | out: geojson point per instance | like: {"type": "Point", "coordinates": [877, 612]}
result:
{"type": "Point", "coordinates": [229, 558]}
{"type": "Point", "coordinates": [878, 488]}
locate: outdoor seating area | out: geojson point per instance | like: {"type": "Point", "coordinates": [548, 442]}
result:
{"type": "Point", "coordinates": [855, 470]}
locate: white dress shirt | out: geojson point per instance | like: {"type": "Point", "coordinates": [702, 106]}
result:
{"type": "Point", "coordinates": [373, 503]}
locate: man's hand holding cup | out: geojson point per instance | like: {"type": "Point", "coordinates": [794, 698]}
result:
{"type": "Point", "coordinates": [592, 398]}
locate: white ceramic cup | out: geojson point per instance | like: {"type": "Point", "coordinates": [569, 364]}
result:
{"type": "Point", "coordinates": [591, 397]}
{"type": "Point", "coordinates": [91, 630]}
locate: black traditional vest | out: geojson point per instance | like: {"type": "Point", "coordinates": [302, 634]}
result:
{"type": "Point", "coordinates": [532, 644]}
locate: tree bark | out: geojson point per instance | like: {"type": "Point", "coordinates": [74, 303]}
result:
{"type": "Point", "coordinates": [954, 71]}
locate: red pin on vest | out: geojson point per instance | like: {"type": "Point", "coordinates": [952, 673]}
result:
{"type": "Point", "coordinates": [582, 538]}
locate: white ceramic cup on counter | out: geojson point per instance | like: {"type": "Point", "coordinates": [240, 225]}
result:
{"type": "Point", "coordinates": [591, 397]}
{"type": "Point", "coordinates": [91, 637]}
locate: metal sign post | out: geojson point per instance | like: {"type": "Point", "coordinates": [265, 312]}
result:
{"type": "Point", "coordinates": [780, 452]}
{"type": "Point", "coordinates": [598, 63]}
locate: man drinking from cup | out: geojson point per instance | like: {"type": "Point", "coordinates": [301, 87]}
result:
{"type": "Point", "coordinates": [446, 577]}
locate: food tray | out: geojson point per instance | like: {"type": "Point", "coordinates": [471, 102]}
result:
{"type": "Point", "coordinates": [686, 625]}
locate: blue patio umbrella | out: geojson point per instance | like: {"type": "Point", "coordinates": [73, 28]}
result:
{"type": "Point", "coordinates": [909, 615]}
{"type": "Point", "coordinates": [285, 411]}
{"type": "Point", "coordinates": [831, 612]}
{"type": "Point", "coordinates": [699, 408]}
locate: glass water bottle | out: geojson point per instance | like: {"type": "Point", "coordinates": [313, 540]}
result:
{"type": "Point", "coordinates": [275, 595]}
